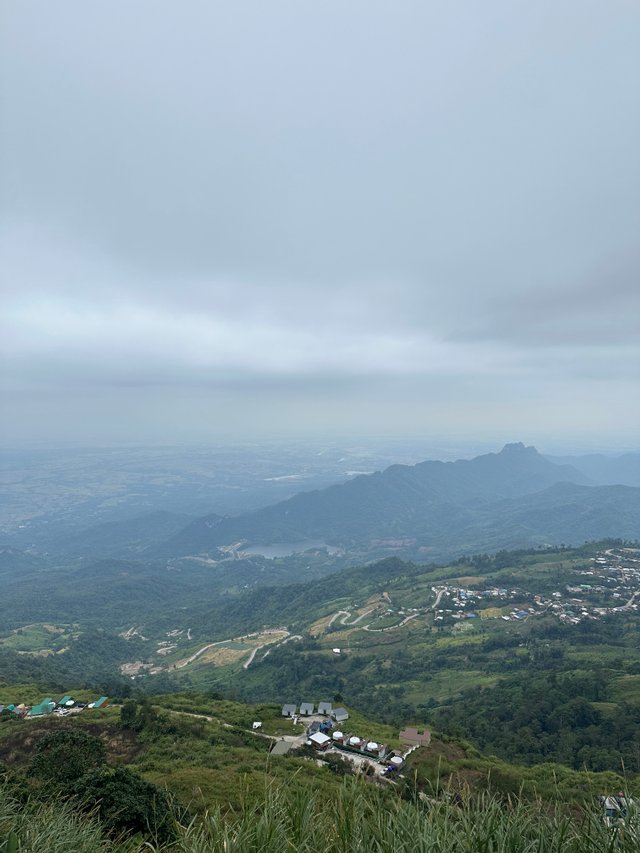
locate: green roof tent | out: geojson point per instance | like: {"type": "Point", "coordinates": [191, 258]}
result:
{"type": "Point", "coordinates": [102, 702]}
{"type": "Point", "coordinates": [45, 707]}
{"type": "Point", "coordinates": [64, 700]}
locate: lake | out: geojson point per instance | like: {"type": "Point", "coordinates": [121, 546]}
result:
{"type": "Point", "coordinates": [286, 549]}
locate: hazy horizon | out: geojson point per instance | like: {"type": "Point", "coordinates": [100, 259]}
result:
{"type": "Point", "coordinates": [399, 448]}
{"type": "Point", "coordinates": [252, 222]}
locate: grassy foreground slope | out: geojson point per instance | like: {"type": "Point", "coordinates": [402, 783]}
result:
{"type": "Point", "coordinates": [356, 819]}
{"type": "Point", "coordinates": [228, 793]}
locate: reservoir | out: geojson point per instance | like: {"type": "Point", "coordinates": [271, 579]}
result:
{"type": "Point", "coordinates": [286, 549]}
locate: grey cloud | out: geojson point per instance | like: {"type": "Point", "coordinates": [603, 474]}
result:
{"type": "Point", "coordinates": [430, 204]}
{"type": "Point", "coordinates": [295, 142]}
{"type": "Point", "coordinates": [597, 310]}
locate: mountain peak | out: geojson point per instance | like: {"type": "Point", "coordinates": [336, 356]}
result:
{"type": "Point", "coordinates": [517, 447]}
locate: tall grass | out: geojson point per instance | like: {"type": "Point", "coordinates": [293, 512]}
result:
{"type": "Point", "coordinates": [53, 827]}
{"type": "Point", "coordinates": [358, 819]}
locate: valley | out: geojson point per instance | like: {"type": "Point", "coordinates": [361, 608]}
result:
{"type": "Point", "coordinates": [431, 602]}
{"type": "Point", "coordinates": [407, 641]}
{"type": "Point", "coordinates": [401, 636]}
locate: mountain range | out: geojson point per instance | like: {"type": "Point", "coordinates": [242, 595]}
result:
{"type": "Point", "coordinates": [514, 498]}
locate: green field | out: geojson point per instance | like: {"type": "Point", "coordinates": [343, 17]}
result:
{"type": "Point", "coordinates": [40, 639]}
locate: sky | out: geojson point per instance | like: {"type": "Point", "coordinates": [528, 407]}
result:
{"type": "Point", "coordinates": [348, 217]}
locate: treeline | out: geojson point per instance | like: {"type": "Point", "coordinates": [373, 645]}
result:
{"type": "Point", "coordinates": [534, 718]}
{"type": "Point", "coordinates": [544, 708]}
{"type": "Point", "coordinates": [70, 781]}
{"type": "Point", "coordinates": [521, 556]}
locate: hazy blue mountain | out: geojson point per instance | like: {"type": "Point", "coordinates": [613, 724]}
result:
{"type": "Point", "coordinates": [132, 536]}
{"type": "Point", "coordinates": [564, 513]}
{"type": "Point", "coordinates": [16, 564]}
{"type": "Point", "coordinates": [107, 592]}
{"type": "Point", "coordinates": [402, 501]}
{"type": "Point", "coordinates": [605, 470]}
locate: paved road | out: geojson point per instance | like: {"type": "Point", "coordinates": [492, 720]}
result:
{"type": "Point", "coordinates": [235, 640]}
{"type": "Point", "coordinates": [343, 621]}
{"type": "Point", "coordinates": [197, 654]}
{"type": "Point", "coordinates": [441, 592]}
{"type": "Point", "coordinates": [335, 616]}
{"type": "Point", "coordinates": [255, 651]}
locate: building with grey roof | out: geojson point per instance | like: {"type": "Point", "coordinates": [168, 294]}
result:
{"type": "Point", "coordinates": [281, 747]}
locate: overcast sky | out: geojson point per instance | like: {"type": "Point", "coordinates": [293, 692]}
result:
{"type": "Point", "coordinates": [351, 217]}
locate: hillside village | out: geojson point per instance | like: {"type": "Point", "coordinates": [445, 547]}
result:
{"type": "Point", "coordinates": [613, 587]}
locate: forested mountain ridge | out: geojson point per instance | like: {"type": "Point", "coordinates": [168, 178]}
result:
{"type": "Point", "coordinates": [564, 512]}
{"type": "Point", "coordinates": [438, 504]}
{"type": "Point", "coordinates": [429, 510]}
{"type": "Point", "coordinates": [121, 538]}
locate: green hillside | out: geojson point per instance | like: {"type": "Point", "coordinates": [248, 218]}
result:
{"type": "Point", "coordinates": [544, 641]}
{"type": "Point", "coordinates": [187, 772]}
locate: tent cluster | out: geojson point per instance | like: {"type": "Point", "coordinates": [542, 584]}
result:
{"type": "Point", "coordinates": [63, 706]}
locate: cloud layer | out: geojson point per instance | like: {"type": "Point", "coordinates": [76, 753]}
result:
{"type": "Point", "coordinates": [320, 216]}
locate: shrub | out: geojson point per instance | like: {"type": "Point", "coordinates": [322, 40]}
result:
{"type": "Point", "coordinates": [61, 757]}
{"type": "Point", "coordinates": [126, 803]}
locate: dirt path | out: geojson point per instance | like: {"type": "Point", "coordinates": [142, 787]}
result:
{"type": "Point", "coordinates": [277, 646]}
{"type": "Point", "coordinates": [248, 662]}
{"type": "Point", "coordinates": [629, 603]}
{"type": "Point", "coordinates": [390, 627]}
{"type": "Point", "coordinates": [226, 725]}
{"type": "Point", "coordinates": [254, 652]}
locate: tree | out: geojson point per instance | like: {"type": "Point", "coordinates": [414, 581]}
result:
{"type": "Point", "coordinates": [64, 756]}
{"type": "Point", "coordinates": [147, 718]}
{"type": "Point", "coordinates": [128, 714]}
{"type": "Point", "coordinates": [126, 803]}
